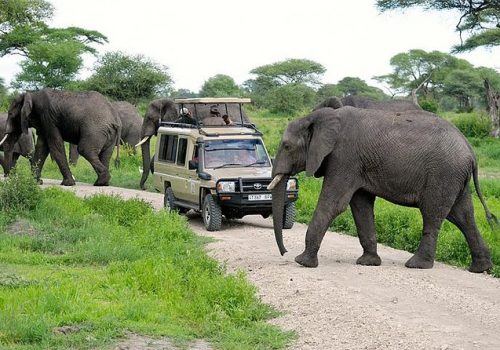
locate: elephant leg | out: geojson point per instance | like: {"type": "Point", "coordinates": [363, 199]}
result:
{"type": "Point", "coordinates": [58, 153]}
{"type": "Point", "coordinates": [2, 162]}
{"type": "Point", "coordinates": [462, 216]}
{"type": "Point", "coordinates": [15, 157]}
{"type": "Point", "coordinates": [39, 156]}
{"type": "Point", "coordinates": [424, 256]}
{"type": "Point", "coordinates": [362, 211]}
{"type": "Point", "coordinates": [105, 158]}
{"type": "Point", "coordinates": [332, 202]}
{"type": "Point", "coordinates": [73, 154]}
{"type": "Point", "coordinates": [102, 172]}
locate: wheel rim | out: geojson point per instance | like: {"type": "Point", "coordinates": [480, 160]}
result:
{"type": "Point", "coordinates": [207, 215]}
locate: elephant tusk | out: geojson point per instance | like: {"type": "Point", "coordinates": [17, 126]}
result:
{"type": "Point", "coordinates": [142, 141]}
{"type": "Point", "coordinates": [4, 138]}
{"type": "Point", "coordinates": [275, 181]}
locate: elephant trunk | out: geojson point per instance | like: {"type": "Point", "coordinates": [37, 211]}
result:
{"type": "Point", "coordinates": [146, 160]}
{"type": "Point", "coordinates": [279, 195]}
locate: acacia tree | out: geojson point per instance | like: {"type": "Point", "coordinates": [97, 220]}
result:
{"type": "Point", "coordinates": [52, 56]}
{"type": "Point", "coordinates": [129, 78]}
{"type": "Point", "coordinates": [285, 86]}
{"type": "Point", "coordinates": [479, 18]}
{"type": "Point", "coordinates": [220, 85]}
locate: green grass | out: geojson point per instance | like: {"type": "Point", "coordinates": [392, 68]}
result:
{"type": "Point", "coordinates": [106, 266]}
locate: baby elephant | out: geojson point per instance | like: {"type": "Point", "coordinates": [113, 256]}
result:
{"type": "Point", "coordinates": [412, 158]}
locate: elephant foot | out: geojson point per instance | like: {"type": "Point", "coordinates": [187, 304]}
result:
{"type": "Point", "coordinates": [306, 260]}
{"type": "Point", "coordinates": [101, 183]}
{"type": "Point", "coordinates": [39, 181]}
{"type": "Point", "coordinates": [481, 265]}
{"type": "Point", "coordinates": [68, 182]}
{"type": "Point", "coordinates": [416, 262]}
{"type": "Point", "coordinates": [369, 259]}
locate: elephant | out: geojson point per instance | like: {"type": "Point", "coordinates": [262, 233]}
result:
{"type": "Point", "coordinates": [23, 147]}
{"type": "Point", "coordinates": [166, 110]}
{"type": "Point", "coordinates": [131, 127]}
{"type": "Point", "coordinates": [411, 158]}
{"type": "Point", "coordinates": [396, 105]}
{"type": "Point", "coordinates": [83, 118]}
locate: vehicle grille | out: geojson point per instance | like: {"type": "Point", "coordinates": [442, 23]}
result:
{"type": "Point", "coordinates": [252, 185]}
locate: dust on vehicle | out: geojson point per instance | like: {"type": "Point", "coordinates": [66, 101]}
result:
{"type": "Point", "coordinates": [216, 163]}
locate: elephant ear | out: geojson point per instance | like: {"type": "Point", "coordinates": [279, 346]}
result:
{"type": "Point", "coordinates": [26, 112]}
{"type": "Point", "coordinates": [323, 133]}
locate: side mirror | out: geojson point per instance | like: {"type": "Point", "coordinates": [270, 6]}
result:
{"type": "Point", "coordinates": [193, 165]}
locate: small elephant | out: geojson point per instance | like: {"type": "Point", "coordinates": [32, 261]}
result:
{"type": "Point", "coordinates": [131, 128]}
{"type": "Point", "coordinates": [411, 158]}
{"type": "Point", "coordinates": [368, 103]}
{"type": "Point", "coordinates": [83, 118]}
{"type": "Point", "coordinates": [23, 147]}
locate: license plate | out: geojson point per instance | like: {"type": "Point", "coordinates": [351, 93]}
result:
{"type": "Point", "coordinates": [260, 197]}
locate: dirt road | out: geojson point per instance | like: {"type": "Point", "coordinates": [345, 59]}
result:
{"type": "Point", "coordinates": [341, 305]}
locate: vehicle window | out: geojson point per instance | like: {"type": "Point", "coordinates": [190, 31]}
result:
{"type": "Point", "coordinates": [181, 155]}
{"type": "Point", "coordinates": [235, 153]}
{"type": "Point", "coordinates": [168, 148]}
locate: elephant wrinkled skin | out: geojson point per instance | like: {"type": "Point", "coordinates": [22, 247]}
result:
{"type": "Point", "coordinates": [411, 158]}
{"type": "Point", "coordinates": [83, 118]}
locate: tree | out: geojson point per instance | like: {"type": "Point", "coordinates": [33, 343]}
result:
{"type": "Point", "coordinates": [220, 85]}
{"type": "Point", "coordinates": [291, 98]}
{"type": "Point", "coordinates": [465, 85]}
{"type": "Point", "coordinates": [184, 93]}
{"type": "Point", "coordinates": [480, 18]}
{"type": "Point", "coordinates": [129, 78]}
{"type": "Point", "coordinates": [491, 81]}
{"type": "Point", "coordinates": [291, 71]}
{"type": "Point", "coordinates": [3, 94]}
{"type": "Point", "coordinates": [357, 86]}
{"type": "Point", "coordinates": [52, 55]}
{"type": "Point", "coordinates": [328, 90]}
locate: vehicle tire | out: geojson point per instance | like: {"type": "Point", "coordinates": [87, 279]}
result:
{"type": "Point", "coordinates": [289, 216]}
{"type": "Point", "coordinates": [212, 214]}
{"type": "Point", "coordinates": [169, 200]}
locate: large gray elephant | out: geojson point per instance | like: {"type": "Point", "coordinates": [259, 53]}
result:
{"type": "Point", "coordinates": [83, 118]}
{"type": "Point", "coordinates": [23, 147]}
{"type": "Point", "coordinates": [396, 105]}
{"type": "Point", "coordinates": [131, 127]}
{"type": "Point", "coordinates": [411, 158]}
{"type": "Point", "coordinates": [166, 110]}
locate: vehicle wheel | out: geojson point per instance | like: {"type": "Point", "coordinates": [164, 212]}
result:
{"type": "Point", "coordinates": [212, 214]}
{"type": "Point", "coordinates": [289, 215]}
{"type": "Point", "coordinates": [169, 200]}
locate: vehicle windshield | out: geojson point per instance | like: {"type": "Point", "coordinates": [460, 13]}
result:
{"type": "Point", "coordinates": [235, 153]}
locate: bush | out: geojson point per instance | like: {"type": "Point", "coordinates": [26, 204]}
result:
{"type": "Point", "coordinates": [429, 105]}
{"type": "Point", "coordinates": [472, 124]}
{"type": "Point", "coordinates": [19, 192]}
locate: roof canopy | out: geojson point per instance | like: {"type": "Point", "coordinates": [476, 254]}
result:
{"type": "Point", "coordinates": [213, 100]}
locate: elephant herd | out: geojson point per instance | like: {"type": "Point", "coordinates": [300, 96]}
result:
{"type": "Point", "coordinates": [363, 149]}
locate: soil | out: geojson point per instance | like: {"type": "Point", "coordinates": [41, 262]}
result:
{"type": "Point", "coordinates": [341, 305]}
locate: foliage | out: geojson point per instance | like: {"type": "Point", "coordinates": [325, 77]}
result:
{"type": "Point", "coordinates": [481, 19]}
{"type": "Point", "coordinates": [428, 104]}
{"type": "Point", "coordinates": [19, 192]}
{"type": "Point", "coordinates": [291, 98]}
{"type": "Point", "coordinates": [471, 124]}
{"type": "Point", "coordinates": [291, 71]}
{"type": "Point", "coordinates": [183, 93]}
{"type": "Point", "coordinates": [129, 78]}
{"type": "Point", "coordinates": [328, 90]}
{"type": "Point", "coordinates": [104, 275]}
{"type": "Point", "coordinates": [277, 86]}
{"type": "Point", "coordinates": [52, 55]}
{"type": "Point", "coordinates": [356, 86]}
{"type": "Point", "coordinates": [220, 85]}
{"type": "Point", "coordinates": [3, 93]}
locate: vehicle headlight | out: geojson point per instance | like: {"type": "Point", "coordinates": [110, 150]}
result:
{"type": "Point", "coordinates": [291, 184]}
{"type": "Point", "coordinates": [226, 186]}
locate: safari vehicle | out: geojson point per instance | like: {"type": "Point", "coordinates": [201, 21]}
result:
{"type": "Point", "coordinates": [220, 170]}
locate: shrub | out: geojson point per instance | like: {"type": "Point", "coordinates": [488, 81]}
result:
{"type": "Point", "coordinates": [429, 105]}
{"type": "Point", "coordinates": [19, 192]}
{"type": "Point", "coordinates": [472, 124]}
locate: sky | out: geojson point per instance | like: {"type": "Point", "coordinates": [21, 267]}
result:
{"type": "Point", "coordinates": [198, 39]}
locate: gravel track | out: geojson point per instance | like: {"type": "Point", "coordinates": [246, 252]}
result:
{"type": "Point", "coordinates": [341, 305]}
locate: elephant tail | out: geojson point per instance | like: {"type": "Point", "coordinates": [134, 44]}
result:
{"type": "Point", "coordinates": [492, 219]}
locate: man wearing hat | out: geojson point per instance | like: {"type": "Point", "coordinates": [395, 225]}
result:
{"type": "Point", "coordinates": [186, 117]}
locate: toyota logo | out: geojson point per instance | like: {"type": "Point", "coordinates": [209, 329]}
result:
{"type": "Point", "coordinates": [257, 186]}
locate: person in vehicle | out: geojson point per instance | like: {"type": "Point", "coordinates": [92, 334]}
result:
{"type": "Point", "coordinates": [227, 120]}
{"type": "Point", "coordinates": [186, 117]}
{"type": "Point", "coordinates": [214, 118]}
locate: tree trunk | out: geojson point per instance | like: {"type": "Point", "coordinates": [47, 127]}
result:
{"type": "Point", "coordinates": [493, 99]}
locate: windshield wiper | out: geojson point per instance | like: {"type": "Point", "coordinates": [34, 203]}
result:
{"type": "Point", "coordinates": [257, 162]}
{"type": "Point", "coordinates": [225, 165]}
